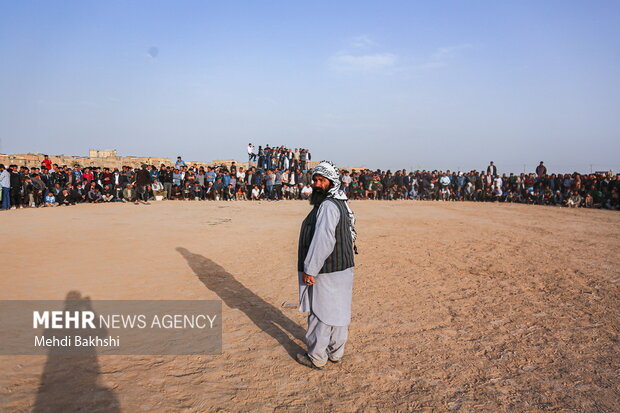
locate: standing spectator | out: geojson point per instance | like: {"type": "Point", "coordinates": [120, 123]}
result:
{"type": "Point", "coordinates": [177, 177]}
{"type": "Point", "coordinates": [492, 169]}
{"type": "Point", "coordinates": [106, 177]}
{"type": "Point", "coordinates": [261, 158]}
{"type": "Point", "coordinates": [165, 177]}
{"type": "Point", "coordinates": [251, 153]}
{"type": "Point", "coordinates": [444, 181]}
{"type": "Point", "coordinates": [541, 170]}
{"type": "Point", "coordinates": [179, 163]}
{"type": "Point", "coordinates": [39, 189]}
{"type": "Point", "coordinates": [16, 188]}
{"type": "Point", "coordinates": [46, 163]}
{"type": "Point", "coordinates": [77, 174]}
{"type": "Point", "coordinates": [296, 158]}
{"type": "Point", "coordinates": [5, 182]}
{"type": "Point", "coordinates": [143, 179]}
{"type": "Point", "coordinates": [346, 181]}
{"type": "Point", "coordinates": [88, 176]}
{"type": "Point", "coordinates": [303, 156]}
{"type": "Point", "coordinates": [154, 173]}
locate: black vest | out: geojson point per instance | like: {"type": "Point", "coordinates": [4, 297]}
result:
{"type": "Point", "coordinates": [342, 256]}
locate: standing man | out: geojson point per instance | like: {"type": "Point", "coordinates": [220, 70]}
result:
{"type": "Point", "coordinates": [303, 155]}
{"type": "Point", "coordinates": [5, 183]}
{"type": "Point", "coordinates": [47, 164]}
{"type": "Point", "coordinates": [16, 187]}
{"type": "Point", "coordinates": [251, 154]}
{"type": "Point", "coordinates": [492, 169]}
{"type": "Point", "coordinates": [165, 177]}
{"type": "Point", "coordinates": [179, 163]}
{"type": "Point", "coordinates": [143, 179]}
{"type": "Point", "coordinates": [325, 268]}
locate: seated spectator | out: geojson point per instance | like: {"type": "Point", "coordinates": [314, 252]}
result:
{"type": "Point", "coordinates": [209, 192]}
{"type": "Point", "coordinates": [129, 194]}
{"type": "Point", "coordinates": [574, 201]}
{"type": "Point", "coordinates": [158, 189]}
{"type": "Point", "coordinates": [229, 193]}
{"type": "Point", "coordinates": [50, 200]}
{"type": "Point", "coordinates": [94, 195]}
{"type": "Point", "coordinates": [240, 196]}
{"type": "Point", "coordinates": [197, 192]}
{"type": "Point", "coordinates": [79, 193]}
{"type": "Point", "coordinates": [188, 191]}
{"type": "Point", "coordinates": [306, 192]}
{"type": "Point", "coordinates": [177, 192]}
{"type": "Point", "coordinates": [255, 193]}
{"type": "Point", "coordinates": [108, 195]}
{"type": "Point", "coordinates": [65, 198]}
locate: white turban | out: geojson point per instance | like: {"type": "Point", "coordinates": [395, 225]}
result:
{"type": "Point", "coordinates": [328, 170]}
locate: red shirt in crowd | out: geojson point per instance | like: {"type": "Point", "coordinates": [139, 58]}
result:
{"type": "Point", "coordinates": [88, 176]}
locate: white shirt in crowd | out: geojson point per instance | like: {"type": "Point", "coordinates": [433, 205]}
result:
{"type": "Point", "coordinates": [497, 185]}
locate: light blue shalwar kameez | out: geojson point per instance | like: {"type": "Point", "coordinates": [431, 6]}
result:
{"type": "Point", "coordinates": [328, 301]}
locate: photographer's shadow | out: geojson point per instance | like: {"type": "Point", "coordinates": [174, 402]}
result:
{"type": "Point", "coordinates": [70, 382]}
{"type": "Point", "coordinates": [235, 295]}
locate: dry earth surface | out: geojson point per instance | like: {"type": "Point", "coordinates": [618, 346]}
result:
{"type": "Point", "coordinates": [457, 307]}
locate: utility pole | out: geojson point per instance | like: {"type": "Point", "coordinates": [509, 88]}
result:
{"type": "Point", "coordinates": [590, 168]}
{"type": "Point", "coordinates": [523, 168]}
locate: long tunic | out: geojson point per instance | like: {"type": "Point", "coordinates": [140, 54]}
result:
{"type": "Point", "coordinates": [330, 296]}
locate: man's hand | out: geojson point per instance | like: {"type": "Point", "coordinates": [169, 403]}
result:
{"type": "Point", "coordinates": [308, 279]}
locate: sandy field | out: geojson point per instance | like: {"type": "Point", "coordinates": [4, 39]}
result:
{"type": "Point", "coordinates": [456, 307]}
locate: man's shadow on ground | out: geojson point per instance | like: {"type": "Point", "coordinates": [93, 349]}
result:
{"type": "Point", "coordinates": [235, 295]}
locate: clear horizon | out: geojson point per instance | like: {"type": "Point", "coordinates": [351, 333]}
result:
{"type": "Point", "coordinates": [442, 85]}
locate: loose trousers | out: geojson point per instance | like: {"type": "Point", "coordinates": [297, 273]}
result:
{"type": "Point", "coordinates": [325, 341]}
{"type": "Point", "coordinates": [168, 189]}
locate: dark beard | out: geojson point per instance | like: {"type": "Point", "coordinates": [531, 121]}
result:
{"type": "Point", "coordinates": [317, 196]}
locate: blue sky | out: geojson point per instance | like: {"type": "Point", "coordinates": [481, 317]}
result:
{"type": "Point", "coordinates": [439, 84]}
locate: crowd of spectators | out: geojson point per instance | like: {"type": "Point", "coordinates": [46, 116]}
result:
{"type": "Point", "coordinates": [281, 173]}
{"type": "Point", "coordinates": [281, 157]}
{"type": "Point", "coordinates": [540, 188]}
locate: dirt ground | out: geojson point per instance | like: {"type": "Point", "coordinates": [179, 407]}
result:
{"type": "Point", "coordinates": [456, 307]}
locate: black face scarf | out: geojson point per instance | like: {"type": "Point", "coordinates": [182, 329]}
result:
{"type": "Point", "coordinates": [317, 196]}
